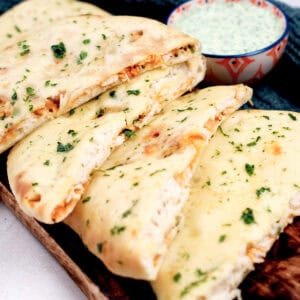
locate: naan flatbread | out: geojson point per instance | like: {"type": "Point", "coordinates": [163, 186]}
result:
{"type": "Point", "coordinates": [31, 14]}
{"type": "Point", "coordinates": [45, 73]}
{"type": "Point", "coordinates": [130, 210]}
{"type": "Point", "coordinates": [49, 169]}
{"type": "Point", "coordinates": [245, 191]}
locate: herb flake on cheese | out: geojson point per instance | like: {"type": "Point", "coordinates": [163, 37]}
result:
{"type": "Point", "coordinates": [128, 133]}
{"type": "Point", "coordinates": [133, 92]}
{"type": "Point", "coordinates": [86, 41]}
{"type": "Point", "coordinates": [117, 230]}
{"type": "Point", "coordinates": [157, 171]}
{"type": "Point", "coordinates": [251, 144]}
{"type": "Point", "coordinates": [222, 238]}
{"type": "Point", "coordinates": [177, 277]}
{"type": "Point", "coordinates": [64, 148]}
{"type": "Point", "coordinates": [249, 169]}
{"type": "Point", "coordinates": [248, 216]}
{"type": "Point", "coordinates": [112, 94]}
{"type": "Point", "coordinates": [292, 117]}
{"type": "Point", "coordinates": [100, 247]}
{"type": "Point", "coordinates": [262, 190]}
{"type": "Point", "coordinates": [203, 276]}
{"type": "Point", "coordinates": [59, 50]}
{"type": "Point", "coordinates": [46, 162]}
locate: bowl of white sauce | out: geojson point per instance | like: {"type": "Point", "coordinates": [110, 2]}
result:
{"type": "Point", "coordinates": [241, 39]}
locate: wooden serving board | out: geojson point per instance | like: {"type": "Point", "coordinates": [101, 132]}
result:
{"type": "Point", "coordinates": [277, 278]}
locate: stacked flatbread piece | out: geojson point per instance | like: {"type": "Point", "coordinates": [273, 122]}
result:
{"type": "Point", "coordinates": [244, 193]}
{"type": "Point", "coordinates": [44, 73]}
{"type": "Point", "coordinates": [108, 144]}
{"type": "Point", "coordinates": [130, 210]}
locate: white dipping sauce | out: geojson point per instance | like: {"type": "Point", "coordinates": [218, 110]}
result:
{"type": "Point", "coordinates": [230, 28]}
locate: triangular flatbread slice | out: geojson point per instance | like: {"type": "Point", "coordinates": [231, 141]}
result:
{"type": "Point", "coordinates": [245, 191]}
{"type": "Point", "coordinates": [34, 13]}
{"type": "Point", "coordinates": [48, 170]}
{"type": "Point", "coordinates": [45, 73]}
{"type": "Point", "coordinates": [129, 211]}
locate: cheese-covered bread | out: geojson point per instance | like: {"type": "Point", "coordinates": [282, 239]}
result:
{"type": "Point", "coordinates": [130, 210]}
{"type": "Point", "coordinates": [49, 169]}
{"type": "Point", "coordinates": [49, 71]}
{"type": "Point", "coordinates": [31, 14]}
{"type": "Point", "coordinates": [245, 191]}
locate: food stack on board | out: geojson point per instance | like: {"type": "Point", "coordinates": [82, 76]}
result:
{"type": "Point", "coordinates": [176, 189]}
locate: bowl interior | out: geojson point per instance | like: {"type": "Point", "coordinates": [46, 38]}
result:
{"type": "Point", "coordinates": [188, 7]}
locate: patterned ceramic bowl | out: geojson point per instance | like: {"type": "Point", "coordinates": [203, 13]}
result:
{"type": "Point", "coordinates": [225, 67]}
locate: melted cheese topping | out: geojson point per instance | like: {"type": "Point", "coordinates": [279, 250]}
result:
{"type": "Point", "coordinates": [57, 158]}
{"type": "Point", "coordinates": [245, 191]}
{"type": "Point", "coordinates": [129, 212]}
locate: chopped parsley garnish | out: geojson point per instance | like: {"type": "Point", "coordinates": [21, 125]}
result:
{"type": "Point", "coordinates": [249, 169]}
{"type": "Point", "coordinates": [181, 110]}
{"type": "Point", "coordinates": [14, 96]}
{"type": "Point", "coordinates": [262, 190]}
{"type": "Point", "coordinates": [83, 55]}
{"type": "Point", "coordinates": [135, 184]}
{"type": "Point", "coordinates": [117, 230]}
{"type": "Point", "coordinates": [293, 117]}
{"type": "Point", "coordinates": [86, 199]}
{"type": "Point", "coordinates": [248, 216]}
{"type": "Point", "coordinates": [104, 36]}
{"type": "Point", "coordinates": [128, 133]}
{"type": "Point", "coordinates": [30, 91]}
{"type": "Point", "coordinates": [59, 50]}
{"type": "Point", "coordinates": [34, 184]}
{"type": "Point", "coordinates": [17, 28]}
{"type": "Point", "coordinates": [183, 120]}
{"type": "Point", "coordinates": [24, 52]}
{"type": "Point", "coordinates": [177, 277]}
{"type": "Point", "coordinates": [24, 47]}
{"type": "Point", "coordinates": [48, 83]}
{"type": "Point", "coordinates": [46, 162]}
{"type": "Point", "coordinates": [128, 212]}
{"type": "Point", "coordinates": [266, 117]}
{"type": "Point", "coordinates": [254, 143]}
{"type": "Point", "coordinates": [133, 92]}
{"type": "Point", "coordinates": [86, 41]}
{"type": "Point", "coordinates": [222, 238]}
{"type": "Point", "coordinates": [112, 94]}
{"type": "Point", "coordinates": [100, 247]}
{"type": "Point", "coordinates": [99, 112]}
{"type": "Point", "coordinates": [72, 132]}
{"type": "Point", "coordinates": [157, 171]}
{"type": "Point", "coordinates": [72, 112]}
{"type": "Point", "coordinates": [9, 35]}
{"type": "Point", "coordinates": [64, 148]}
{"type": "Point", "coordinates": [223, 133]}
{"type": "Point", "coordinates": [203, 278]}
